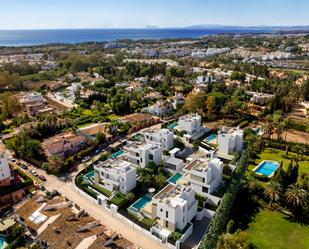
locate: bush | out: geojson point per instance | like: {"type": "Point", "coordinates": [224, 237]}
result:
{"type": "Point", "coordinates": [103, 191]}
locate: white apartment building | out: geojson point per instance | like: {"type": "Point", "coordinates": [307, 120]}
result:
{"type": "Point", "coordinates": [204, 176]}
{"type": "Point", "coordinates": [174, 206]}
{"type": "Point", "coordinates": [115, 175]}
{"type": "Point", "coordinates": [230, 140]}
{"type": "Point", "coordinates": [5, 171]}
{"type": "Point", "coordinates": [163, 137]}
{"type": "Point", "coordinates": [192, 125]}
{"type": "Point", "coordinates": [142, 153]}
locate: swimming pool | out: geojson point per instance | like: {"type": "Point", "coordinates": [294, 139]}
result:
{"type": "Point", "coordinates": [173, 179]}
{"type": "Point", "coordinates": [2, 242]}
{"type": "Point", "coordinates": [117, 154]}
{"type": "Point", "coordinates": [89, 174]}
{"type": "Point", "coordinates": [141, 202]}
{"type": "Point", "coordinates": [172, 125]}
{"type": "Point", "coordinates": [211, 137]}
{"type": "Point", "coordinates": [267, 168]}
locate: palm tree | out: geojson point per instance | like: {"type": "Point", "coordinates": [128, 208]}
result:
{"type": "Point", "coordinates": [295, 196]}
{"type": "Point", "coordinates": [272, 191]}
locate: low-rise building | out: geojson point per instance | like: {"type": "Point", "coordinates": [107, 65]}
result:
{"type": "Point", "coordinates": [204, 175]}
{"type": "Point", "coordinates": [35, 104]}
{"type": "Point", "coordinates": [91, 131]}
{"type": "Point", "coordinates": [191, 124]}
{"type": "Point", "coordinates": [5, 170]}
{"type": "Point", "coordinates": [115, 175]}
{"type": "Point", "coordinates": [230, 140]}
{"type": "Point", "coordinates": [139, 121]}
{"type": "Point", "coordinates": [163, 137]}
{"type": "Point", "coordinates": [143, 153]}
{"type": "Point", "coordinates": [160, 109]}
{"type": "Point", "coordinates": [64, 144]}
{"type": "Point", "coordinates": [174, 207]}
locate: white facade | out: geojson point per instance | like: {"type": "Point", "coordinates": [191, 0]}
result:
{"type": "Point", "coordinates": [161, 108]}
{"type": "Point", "coordinates": [204, 80]}
{"type": "Point", "coordinates": [175, 207]}
{"type": "Point", "coordinates": [192, 125]}
{"type": "Point", "coordinates": [204, 176]}
{"type": "Point", "coordinates": [230, 140]}
{"type": "Point", "coordinates": [32, 97]}
{"type": "Point", "coordinates": [5, 171]}
{"type": "Point", "coordinates": [115, 175]}
{"type": "Point", "coordinates": [141, 154]}
{"type": "Point", "coordinates": [163, 137]}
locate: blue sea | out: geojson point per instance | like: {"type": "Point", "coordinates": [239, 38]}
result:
{"type": "Point", "coordinates": [38, 37]}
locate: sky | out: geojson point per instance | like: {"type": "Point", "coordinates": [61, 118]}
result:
{"type": "Point", "coordinates": [58, 14]}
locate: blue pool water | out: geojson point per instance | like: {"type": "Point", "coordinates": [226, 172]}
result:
{"type": "Point", "coordinates": [2, 242]}
{"type": "Point", "coordinates": [267, 168]}
{"type": "Point", "coordinates": [212, 137]}
{"type": "Point", "coordinates": [173, 179]}
{"type": "Point", "coordinates": [117, 154]}
{"type": "Point", "coordinates": [89, 174]}
{"type": "Point", "coordinates": [141, 202]}
{"type": "Point", "coordinates": [172, 125]}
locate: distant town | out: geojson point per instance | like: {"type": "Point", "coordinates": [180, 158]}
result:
{"type": "Point", "coordinates": [172, 143]}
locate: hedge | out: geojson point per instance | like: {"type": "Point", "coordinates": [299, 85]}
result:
{"type": "Point", "coordinates": [221, 217]}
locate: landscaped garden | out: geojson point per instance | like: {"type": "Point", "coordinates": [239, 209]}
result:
{"type": "Point", "coordinates": [280, 156]}
{"type": "Point", "coordinates": [273, 229]}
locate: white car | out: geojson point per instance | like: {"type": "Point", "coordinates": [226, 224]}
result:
{"type": "Point", "coordinates": [85, 159]}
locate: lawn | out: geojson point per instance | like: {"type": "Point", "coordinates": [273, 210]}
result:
{"type": "Point", "coordinates": [278, 156]}
{"type": "Point", "coordinates": [271, 229]}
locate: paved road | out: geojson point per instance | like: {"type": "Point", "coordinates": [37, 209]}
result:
{"type": "Point", "coordinates": [65, 185]}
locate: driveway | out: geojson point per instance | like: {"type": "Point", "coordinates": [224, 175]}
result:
{"type": "Point", "coordinates": [199, 229]}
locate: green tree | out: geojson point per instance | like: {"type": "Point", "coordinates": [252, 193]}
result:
{"type": "Point", "coordinates": [273, 191]}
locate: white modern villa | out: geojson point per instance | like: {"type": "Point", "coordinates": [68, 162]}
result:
{"type": "Point", "coordinates": [204, 175]}
{"type": "Point", "coordinates": [115, 175]}
{"type": "Point", "coordinates": [191, 124]}
{"type": "Point", "coordinates": [142, 153]}
{"type": "Point", "coordinates": [174, 206]}
{"type": "Point", "coordinates": [163, 137]}
{"type": "Point", "coordinates": [230, 140]}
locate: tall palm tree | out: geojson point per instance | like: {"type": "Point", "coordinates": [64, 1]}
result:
{"type": "Point", "coordinates": [273, 191]}
{"type": "Point", "coordinates": [295, 196]}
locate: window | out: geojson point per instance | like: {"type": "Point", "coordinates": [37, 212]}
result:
{"type": "Point", "coordinates": [166, 214]}
{"type": "Point", "coordinates": [166, 223]}
{"type": "Point", "coordinates": [161, 210]}
{"type": "Point", "coordinates": [205, 190]}
{"type": "Point", "coordinates": [151, 157]}
{"type": "Point", "coordinates": [203, 179]}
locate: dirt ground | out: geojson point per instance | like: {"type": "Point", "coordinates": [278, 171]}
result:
{"type": "Point", "coordinates": [297, 136]}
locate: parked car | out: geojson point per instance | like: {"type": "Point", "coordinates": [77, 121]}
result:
{"type": "Point", "coordinates": [41, 177]}
{"type": "Point", "coordinates": [85, 159]}
{"type": "Point", "coordinates": [23, 166]}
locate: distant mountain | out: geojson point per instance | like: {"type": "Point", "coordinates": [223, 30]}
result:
{"type": "Point", "coordinates": [151, 27]}
{"type": "Point", "coordinates": [265, 27]}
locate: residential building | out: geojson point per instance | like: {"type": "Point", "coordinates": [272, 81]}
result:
{"type": "Point", "coordinates": [160, 109]}
{"type": "Point", "coordinates": [230, 140]}
{"type": "Point", "coordinates": [115, 175]}
{"type": "Point", "coordinates": [204, 79]}
{"type": "Point", "coordinates": [35, 104]}
{"type": "Point", "coordinates": [163, 137]}
{"type": "Point", "coordinates": [178, 99]}
{"type": "Point", "coordinates": [64, 144]}
{"type": "Point", "coordinates": [204, 175]}
{"type": "Point", "coordinates": [5, 170]}
{"type": "Point", "coordinates": [191, 124]}
{"type": "Point", "coordinates": [174, 206]}
{"type": "Point", "coordinates": [139, 121]}
{"type": "Point", "coordinates": [91, 131]}
{"type": "Point", "coordinates": [143, 153]}
{"type": "Point", "coordinates": [60, 224]}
